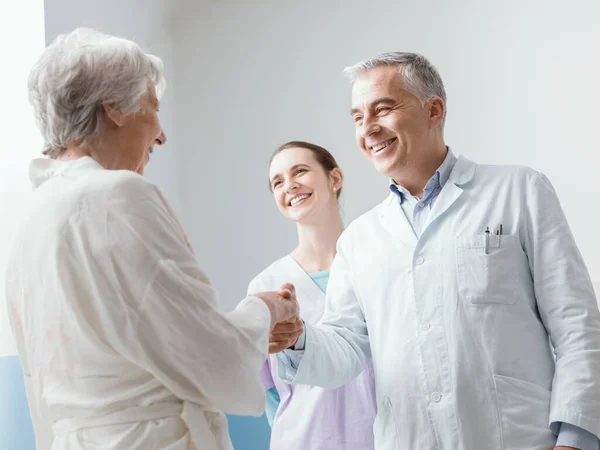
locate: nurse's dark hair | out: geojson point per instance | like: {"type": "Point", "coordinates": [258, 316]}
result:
{"type": "Point", "coordinates": [323, 157]}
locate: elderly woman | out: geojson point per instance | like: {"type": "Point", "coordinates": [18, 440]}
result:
{"type": "Point", "coordinates": [115, 323]}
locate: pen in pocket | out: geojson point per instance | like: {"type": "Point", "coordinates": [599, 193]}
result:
{"type": "Point", "coordinates": [499, 232]}
{"type": "Point", "coordinates": [486, 245]}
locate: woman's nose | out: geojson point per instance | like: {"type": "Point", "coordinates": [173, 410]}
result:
{"type": "Point", "coordinates": [162, 139]}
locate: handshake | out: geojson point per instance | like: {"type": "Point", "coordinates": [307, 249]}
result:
{"type": "Point", "coordinates": [286, 326]}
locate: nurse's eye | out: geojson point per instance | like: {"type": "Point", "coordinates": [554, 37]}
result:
{"type": "Point", "coordinates": [276, 183]}
{"type": "Point", "coordinates": [299, 171]}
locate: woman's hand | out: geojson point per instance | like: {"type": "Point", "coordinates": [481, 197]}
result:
{"type": "Point", "coordinates": [282, 304]}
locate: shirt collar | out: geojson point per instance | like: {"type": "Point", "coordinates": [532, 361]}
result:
{"type": "Point", "coordinates": [439, 178]}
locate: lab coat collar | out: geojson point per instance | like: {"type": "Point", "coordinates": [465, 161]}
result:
{"type": "Point", "coordinates": [461, 174]}
{"type": "Point", "coordinates": [397, 224]}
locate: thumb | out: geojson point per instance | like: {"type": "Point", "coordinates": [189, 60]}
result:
{"type": "Point", "coordinates": [287, 290]}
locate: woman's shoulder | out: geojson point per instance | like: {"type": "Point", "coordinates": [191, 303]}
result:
{"type": "Point", "coordinates": [129, 191]}
{"type": "Point", "coordinates": [117, 186]}
{"type": "Point", "coordinates": [129, 185]}
{"type": "Point", "coordinates": [270, 277]}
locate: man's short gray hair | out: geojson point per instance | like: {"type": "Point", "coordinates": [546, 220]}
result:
{"type": "Point", "coordinates": [419, 76]}
{"type": "Point", "coordinates": [80, 71]}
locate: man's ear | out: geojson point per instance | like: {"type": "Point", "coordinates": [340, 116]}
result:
{"type": "Point", "coordinates": [436, 111]}
{"type": "Point", "coordinates": [115, 116]}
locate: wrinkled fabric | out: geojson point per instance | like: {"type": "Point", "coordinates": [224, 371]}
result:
{"type": "Point", "coordinates": [471, 349]}
{"type": "Point", "coordinates": [117, 325]}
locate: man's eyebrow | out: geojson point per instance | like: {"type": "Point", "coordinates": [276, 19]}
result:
{"type": "Point", "coordinates": [374, 103]}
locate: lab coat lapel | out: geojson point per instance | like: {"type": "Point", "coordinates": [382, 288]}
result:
{"type": "Point", "coordinates": [396, 223]}
{"type": "Point", "coordinates": [462, 173]}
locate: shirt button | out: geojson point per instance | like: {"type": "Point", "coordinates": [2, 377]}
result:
{"type": "Point", "coordinates": [422, 205]}
{"type": "Point", "coordinates": [436, 397]}
{"type": "Point", "coordinates": [425, 326]}
{"type": "Point", "coordinates": [420, 260]}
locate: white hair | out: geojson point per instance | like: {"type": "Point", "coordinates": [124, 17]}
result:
{"type": "Point", "coordinates": [77, 73]}
{"type": "Point", "coordinates": [419, 76]}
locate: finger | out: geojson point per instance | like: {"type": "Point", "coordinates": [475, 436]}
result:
{"type": "Point", "coordinates": [283, 328]}
{"type": "Point", "coordinates": [287, 290]}
{"type": "Point", "coordinates": [294, 319]}
{"type": "Point", "coordinates": [273, 348]}
{"type": "Point", "coordinates": [284, 336]}
{"type": "Point", "coordinates": [284, 342]}
{"type": "Point", "coordinates": [287, 340]}
{"type": "Point", "coordinates": [276, 347]}
{"type": "Point", "coordinates": [279, 334]}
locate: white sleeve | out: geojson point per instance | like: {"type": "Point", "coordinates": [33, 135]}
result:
{"type": "Point", "coordinates": [567, 306]}
{"type": "Point", "coordinates": [169, 322]}
{"type": "Point", "coordinates": [191, 346]}
{"type": "Point", "coordinates": [336, 350]}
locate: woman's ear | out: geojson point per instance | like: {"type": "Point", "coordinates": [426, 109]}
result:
{"type": "Point", "coordinates": [337, 179]}
{"type": "Point", "coordinates": [115, 116]}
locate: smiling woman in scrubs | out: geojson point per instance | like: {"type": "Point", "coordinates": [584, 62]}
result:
{"type": "Point", "coordinates": [306, 183]}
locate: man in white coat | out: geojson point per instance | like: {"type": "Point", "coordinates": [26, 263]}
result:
{"type": "Point", "coordinates": [465, 286]}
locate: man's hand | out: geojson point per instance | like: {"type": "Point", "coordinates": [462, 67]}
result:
{"type": "Point", "coordinates": [285, 335]}
{"type": "Point", "coordinates": [566, 448]}
{"type": "Point", "coordinates": [282, 304]}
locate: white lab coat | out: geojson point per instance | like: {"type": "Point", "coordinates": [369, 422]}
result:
{"type": "Point", "coordinates": [310, 417]}
{"type": "Point", "coordinates": [118, 327]}
{"type": "Point", "coordinates": [460, 339]}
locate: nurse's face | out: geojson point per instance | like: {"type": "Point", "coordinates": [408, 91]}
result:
{"type": "Point", "coordinates": [302, 189]}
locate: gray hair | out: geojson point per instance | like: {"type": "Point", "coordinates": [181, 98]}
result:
{"type": "Point", "coordinates": [77, 73]}
{"type": "Point", "coordinates": [419, 76]}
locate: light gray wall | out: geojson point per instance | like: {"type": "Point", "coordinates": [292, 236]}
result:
{"type": "Point", "coordinates": [521, 79]}
{"type": "Point", "coordinates": [146, 22]}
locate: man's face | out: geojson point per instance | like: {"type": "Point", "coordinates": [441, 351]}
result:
{"type": "Point", "coordinates": [392, 126]}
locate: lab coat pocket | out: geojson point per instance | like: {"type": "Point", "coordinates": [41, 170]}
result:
{"type": "Point", "coordinates": [384, 427]}
{"type": "Point", "coordinates": [524, 410]}
{"type": "Point", "coordinates": [492, 277]}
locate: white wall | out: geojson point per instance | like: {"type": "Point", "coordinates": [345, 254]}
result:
{"type": "Point", "coordinates": [19, 140]}
{"type": "Point", "coordinates": [147, 23]}
{"type": "Point", "coordinates": [521, 78]}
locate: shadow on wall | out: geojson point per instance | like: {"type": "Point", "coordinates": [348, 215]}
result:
{"type": "Point", "coordinates": [15, 420]}
{"type": "Point", "coordinates": [249, 433]}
